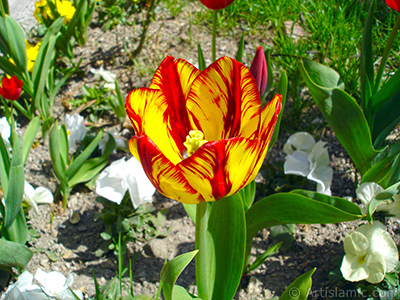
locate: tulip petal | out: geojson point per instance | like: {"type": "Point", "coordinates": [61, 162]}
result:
{"type": "Point", "coordinates": [174, 79]}
{"type": "Point", "coordinates": [224, 101]}
{"type": "Point", "coordinates": [149, 113]}
{"type": "Point", "coordinates": [163, 174]}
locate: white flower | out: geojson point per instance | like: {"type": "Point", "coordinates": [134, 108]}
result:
{"type": "Point", "coordinates": [40, 195]}
{"type": "Point", "coordinates": [76, 130]}
{"type": "Point", "coordinates": [121, 176]}
{"type": "Point", "coordinates": [5, 130]}
{"type": "Point", "coordinates": [368, 190]}
{"type": "Point", "coordinates": [53, 285]}
{"type": "Point", "coordinates": [309, 159]}
{"type": "Point", "coordinates": [370, 253]}
{"type": "Point", "coordinates": [107, 76]}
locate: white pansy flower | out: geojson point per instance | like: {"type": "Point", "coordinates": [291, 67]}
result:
{"type": "Point", "coordinates": [370, 253]}
{"type": "Point", "coordinates": [76, 130]}
{"type": "Point", "coordinates": [121, 176]}
{"type": "Point", "coordinates": [368, 190]}
{"type": "Point", "coordinates": [40, 195]}
{"type": "Point", "coordinates": [107, 76]}
{"type": "Point", "coordinates": [307, 158]}
{"type": "Point", "coordinates": [53, 285]}
{"type": "Point", "coordinates": [119, 142]}
{"type": "Point", "coordinates": [5, 130]}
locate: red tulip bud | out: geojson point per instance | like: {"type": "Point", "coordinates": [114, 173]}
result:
{"type": "Point", "coordinates": [395, 4]}
{"type": "Point", "coordinates": [259, 70]}
{"type": "Point", "coordinates": [11, 88]}
{"type": "Point", "coordinates": [216, 4]}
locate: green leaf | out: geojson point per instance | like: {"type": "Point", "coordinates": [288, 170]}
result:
{"type": "Point", "coordinates": [247, 195]}
{"type": "Point", "coordinates": [297, 208]}
{"type": "Point", "coordinates": [4, 166]}
{"type": "Point", "coordinates": [15, 39]}
{"type": "Point", "coordinates": [341, 111]}
{"type": "Point", "coordinates": [299, 288]}
{"type": "Point", "coordinates": [29, 137]}
{"type": "Point", "coordinates": [80, 160]}
{"type": "Point", "coordinates": [88, 170]}
{"type": "Point", "coordinates": [16, 183]}
{"type": "Point", "coordinates": [18, 231]}
{"type": "Point", "coordinates": [386, 110]}
{"type": "Point", "coordinates": [55, 155]}
{"type": "Point", "coordinates": [13, 255]}
{"type": "Point", "coordinates": [227, 228]}
{"type": "Point", "coordinates": [239, 53]}
{"type": "Point", "coordinates": [191, 211]}
{"type": "Point", "coordinates": [384, 196]}
{"type": "Point", "coordinates": [281, 90]}
{"type": "Point", "coordinates": [260, 259]}
{"type": "Point", "coordinates": [179, 293]}
{"type": "Point", "coordinates": [367, 64]}
{"type": "Point", "coordinates": [202, 62]}
{"type": "Point", "coordinates": [171, 271]}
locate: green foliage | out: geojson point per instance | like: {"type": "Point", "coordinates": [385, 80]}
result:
{"type": "Point", "coordinates": [132, 224]}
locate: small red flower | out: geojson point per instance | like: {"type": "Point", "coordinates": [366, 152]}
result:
{"type": "Point", "coordinates": [11, 88]}
{"type": "Point", "coordinates": [216, 4]}
{"type": "Point", "coordinates": [259, 70]}
{"type": "Point", "coordinates": [395, 4]}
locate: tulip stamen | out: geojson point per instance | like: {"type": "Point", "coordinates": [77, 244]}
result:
{"type": "Point", "coordinates": [194, 140]}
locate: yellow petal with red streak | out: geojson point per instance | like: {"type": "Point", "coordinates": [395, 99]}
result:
{"type": "Point", "coordinates": [224, 101]}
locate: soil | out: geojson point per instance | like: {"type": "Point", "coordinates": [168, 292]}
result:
{"type": "Point", "coordinates": [74, 245]}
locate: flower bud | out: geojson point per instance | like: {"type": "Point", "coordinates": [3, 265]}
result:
{"type": "Point", "coordinates": [395, 4]}
{"type": "Point", "coordinates": [216, 4]}
{"type": "Point", "coordinates": [259, 70]}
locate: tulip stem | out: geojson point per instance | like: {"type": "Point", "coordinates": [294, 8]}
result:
{"type": "Point", "coordinates": [201, 245]}
{"type": "Point", "coordinates": [214, 37]}
{"type": "Point", "coordinates": [385, 55]}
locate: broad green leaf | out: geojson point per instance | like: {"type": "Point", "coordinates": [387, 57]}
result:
{"type": "Point", "coordinates": [239, 53]}
{"type": "Point", "coordinates": [88, 170]}
{"type": "Point", "coordinates": [385, 196]}
{"type": "Point", "coordinates": [386, 110]}
{"type": "Point", "coordinates": [15, 38]}
{"type": "Point", "coordinates": [179, 293]}
{"type": "Point", "coordinates": [297, 208]}
{"type": "Point", "coordinates": [260, 259]}
{"type": "Point", "coordinates": [247, 195]}
{"type": "Point", "coordinates": [80, 160]}
{"type": "Point", "coordinates": [142, 297]}
{"type": "Point", "coordinates": [227, 228]}
{"type": "Point", "coordinates": [281, 90]}
{"type": "Point", "coordinates": [299, 288]}
{"type": "Point", "coordinates": [171, 271]}
{"type": "Point", "coordinates": [367, 64]}
{"type": "Point", "coordinates": [54, 148]}
{"type": "Point", "coordinates": [16, 183]}
{"type": "Point", "coordinates": [341, 111]}
{"type": "Point", "coordinates": [18, 231]}
{"type": "Point", "coordinates": [202, 62]}
{"type": "Point", "coordinates": [5, 6]}
{"type": "Point", "coordinates": [13, 255]}
{"type": "Point", "coordinates": [191, 211]}
{"type": "Point", "coordinates": [29, 137]}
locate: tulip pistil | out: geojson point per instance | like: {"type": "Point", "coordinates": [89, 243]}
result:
{"type": "Point", "coordinates": [194, 140]}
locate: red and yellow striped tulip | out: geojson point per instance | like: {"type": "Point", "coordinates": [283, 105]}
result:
{"type": "Point", "coordinates": [200, 136]}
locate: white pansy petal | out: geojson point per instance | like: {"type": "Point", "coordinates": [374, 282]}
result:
{"type": "Point", "coordinates": [32, 204]}
{"type": "Point", "coordinates": [392, 208]}
{"type": "Point", "coordinates": [355, 244]}
{"type": "Point", "coordinates": [53, 283]}
{"type": "Point", "coordinates": [76, 129]}
{"type": "Point", "coordinates": [352, 270]}
{"type": "Point", "coordinates": [376, 266]}
{"type": "Point", "coordinates": [366, 191]}
{"type": "Point", "coordinates": [301, 141]}
{"type": "Point", "coordinates": [29, 190]}
{"type": "Point", "coordinates": [323, 189]}
{"type": "Point", "coordinates": [322, 175]}
{"type": "Point", "coordinates": [140, 188]}
{"type": "Point", "coordinates": [382, 242]}
{"type": "Point", "coordinates": [5, 130]}
{"type": "Point", "coordinates": [319, 154]}
{"type": "Point", "coordinates": [297, 164]}
{"type": "Point", "coordinates": [42, 195]}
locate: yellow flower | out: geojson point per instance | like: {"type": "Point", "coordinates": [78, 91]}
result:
{"type": "Point", "coordinates": [31, 54]}
{"type": "Point", "coordinates": [64, 8]}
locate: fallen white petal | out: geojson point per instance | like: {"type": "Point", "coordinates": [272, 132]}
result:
{"type": "Point", "coordinates": [297, 164]}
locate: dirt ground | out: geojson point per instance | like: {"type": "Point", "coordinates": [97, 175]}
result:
{"type": "Point", "coordinates": [74, 245]}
